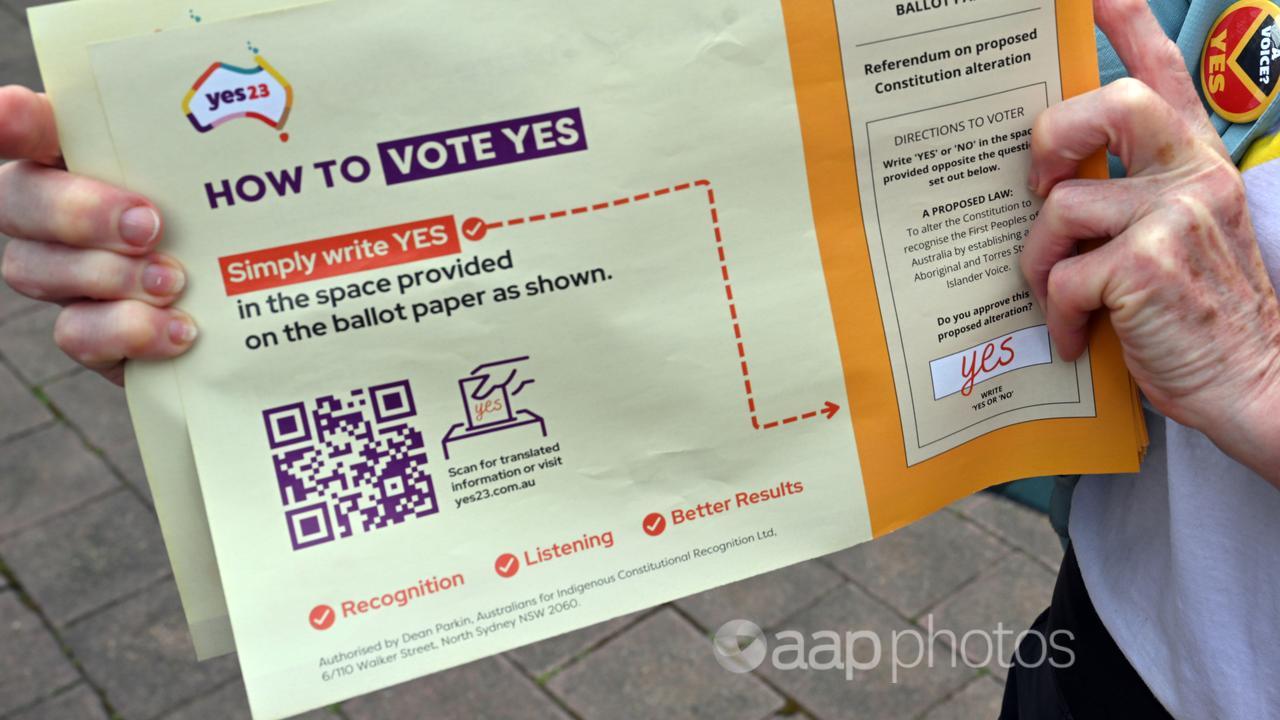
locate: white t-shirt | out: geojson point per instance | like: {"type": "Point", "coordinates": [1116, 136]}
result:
{"type": "Point", "coordinates": [1182, 561]}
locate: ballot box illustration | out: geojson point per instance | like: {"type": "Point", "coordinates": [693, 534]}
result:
{"type": "Point", "coordinates": [489, 397]}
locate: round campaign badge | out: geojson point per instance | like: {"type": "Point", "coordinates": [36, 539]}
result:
{"type": "Point", "coordinates": [1241, 62]}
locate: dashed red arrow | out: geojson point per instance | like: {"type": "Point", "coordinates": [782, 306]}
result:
{"type": "Point", "coordinates": [480, 228]}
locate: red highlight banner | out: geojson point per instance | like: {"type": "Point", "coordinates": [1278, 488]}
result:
{"type": "Point", "coordinates": [339, 255]}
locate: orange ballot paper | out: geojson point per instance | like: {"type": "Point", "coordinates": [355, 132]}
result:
{"type": "Point", "coordinates": [519, 317]}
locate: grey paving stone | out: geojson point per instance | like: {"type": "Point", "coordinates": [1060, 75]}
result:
{"type": "Point", "coordinates": [661, 668]}
{"type": "Point", "coordinates": [999, 605]}
{"type": "Point", "coordinates": [98, 408]}
{"type": "Point", "coordinates": [78, 703]}
{"type": "Point", "coordinates": [964, 504]}
{"type": "Point", "coordinates": [542, 657]}
{"type": "Point", "coordinates": [27, 342]}
{"type": "Point", "coordinates": [32, 666]}
{"type": "Point", "coordinates": [869, 692]}
{"type": "Point", "coordinates": [45, 473]}
{"type": "Point", "coordinates": [77, 562]}
{"type": "Point", "coordinates": [139, 653]}
{"type": "Point", "coordinates": [490, 688]}
{"type": "Point", "coordinates": [979, 699]}
{"type": "Point", "coordinates": [914, 568]}
{"type": "Point", "coordinates": [17, 56]}
{"type": "Point", "coordinates": [21, 409]}
{"type": "Point", "coordinates": [11, 303]}
{"type": "Point", "coordinates": [231, 703]}
{"type": "Point", "coordinates": [765, 599]}
{"type": "Point", "coordinates": [1017, 525]}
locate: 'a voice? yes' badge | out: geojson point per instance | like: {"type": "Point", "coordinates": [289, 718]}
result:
{"type": "Point", "coordinates": [1240, 66]}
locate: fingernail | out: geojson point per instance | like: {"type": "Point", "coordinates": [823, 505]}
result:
{"type": "Point", "coordinates": [182, 331]}
{"type": "Point", "coordinates": [139, 225]}
{"type": "Point", "coordinates": [160, 279]}
{"type": "Point", "coordinates": [1033, 182]}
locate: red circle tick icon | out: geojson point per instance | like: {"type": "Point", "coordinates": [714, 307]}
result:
{"type": "Point", "coordinates": [654, 524]}
{"type": "Point", "coordinates": [322, 617]}
{"type": "Point", "coordinates": [506, 565]}
{"type": "Point", "coordinates": [474, 229]}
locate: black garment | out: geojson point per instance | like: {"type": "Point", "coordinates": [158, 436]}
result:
{"type": "Point", "coordinates": [1083, 676]}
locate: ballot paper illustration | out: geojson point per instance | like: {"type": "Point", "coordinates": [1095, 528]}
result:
{"type": "Point", "coordinates": [227, 92]}
{"type": "Point", "coordinates": [487, 401]}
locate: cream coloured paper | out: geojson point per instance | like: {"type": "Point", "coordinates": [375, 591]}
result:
{"type": "Point", "coordinates": [650, 342]}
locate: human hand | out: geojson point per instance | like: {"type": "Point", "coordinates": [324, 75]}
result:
{"type": "Point", "coordinates": [1180, 274]}
{"type": "Point", "coordinates": [85, 245]}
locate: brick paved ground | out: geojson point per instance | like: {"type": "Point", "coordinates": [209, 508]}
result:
{"type": "Point", "coordinates": [91, 627]}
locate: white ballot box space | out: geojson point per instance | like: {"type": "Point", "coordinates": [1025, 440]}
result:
{"type": "Point", "coordinates": [964, 371]}
{"type": "Point", "coordinates": [483, 317]}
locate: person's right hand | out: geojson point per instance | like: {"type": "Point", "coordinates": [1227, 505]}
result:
{"type": "Point", "coordinates": [85, 245]}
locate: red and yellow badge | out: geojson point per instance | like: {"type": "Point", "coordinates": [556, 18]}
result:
{"type": "Point", "coordinates": [1241, 62]}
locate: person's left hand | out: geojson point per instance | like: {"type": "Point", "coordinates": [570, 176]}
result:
{"type": "Point", "coordinates": [86, 246]}
{"type": "Point", "coordinates": [1180, 274]}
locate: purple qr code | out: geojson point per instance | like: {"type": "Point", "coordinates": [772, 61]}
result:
{"type": "Point", "coordinates": [348, 465]}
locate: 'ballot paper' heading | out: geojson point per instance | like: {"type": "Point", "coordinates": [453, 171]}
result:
{"type": "Point", "coordinates": [415, 158]}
